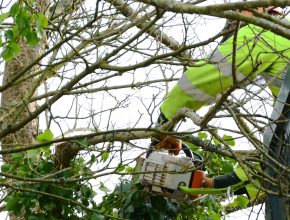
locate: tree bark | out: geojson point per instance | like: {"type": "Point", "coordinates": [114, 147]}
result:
{"type": "Point", "coordinates": [15, 101]}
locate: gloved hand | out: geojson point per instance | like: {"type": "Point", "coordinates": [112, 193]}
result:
{"type": "Point", "coordinates": [169, 143]}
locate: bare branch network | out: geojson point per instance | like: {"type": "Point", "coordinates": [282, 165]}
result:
{"type": "Point", "coordinates": [98, 77]}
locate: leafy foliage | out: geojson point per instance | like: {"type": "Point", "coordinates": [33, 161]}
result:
{"type": "Point", "coordinates": [129, 201]}
{"type": "Point", "coordinates": [29, 26]}
{"type": "Point", "coordinates": [57, 199]}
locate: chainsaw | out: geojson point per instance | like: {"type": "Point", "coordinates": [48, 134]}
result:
{"type": "Point", "coordinates": [164, 174]}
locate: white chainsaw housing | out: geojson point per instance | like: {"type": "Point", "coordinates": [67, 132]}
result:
{"type": "Point", "coordinates": [162, 174]}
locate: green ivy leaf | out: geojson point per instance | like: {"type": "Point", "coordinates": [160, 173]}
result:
{"type": "Point", "coordinates": [47, 135]}
{"type": "Point", "coordinates": [229, 140]}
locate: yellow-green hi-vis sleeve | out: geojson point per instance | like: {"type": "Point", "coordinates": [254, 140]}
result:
{"type": "Point", "coordinates": [252, 190]}
{"type": "Point", "coordinates": [258, 52]}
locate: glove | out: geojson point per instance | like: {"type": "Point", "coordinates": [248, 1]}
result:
{"type": "Point", "coordinates": [171, 144]}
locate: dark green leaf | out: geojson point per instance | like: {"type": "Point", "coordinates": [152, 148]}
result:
{"type": "Point", "coordinates": [9, 34]}
{"type": "Point", "coordinates": [158, 203]}
{"type": "Point", "coordinates": [86, 191]}
{"type": "Point", "coordinates": [23, 22]}
{"type": "Point", "coordinates": [85, 202]}
{"type": "Point", "coordinates": [47, 135]}
{"type": "Point", "coordinates": [49, 205]}
{"type": "Point", "coordinates": [45, 167]}
{"type": "Point", "coordinates": [14, 9]}
{"type": "Point", "coordinates": [17, 157]}
{"type": "Point", "coordinates": [12, 203]}
{"type": "Point", "coordinates": [93, 159]}
{"type": "Point", "coordinates": [35, 217]}
{"type": "Point", "coordinates": [32, 38]}
{"type": "Point", "coordinates": [5, 168]}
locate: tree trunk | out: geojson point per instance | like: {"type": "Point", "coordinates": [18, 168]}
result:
{"type": "Point", "coordinates": [15, 101]}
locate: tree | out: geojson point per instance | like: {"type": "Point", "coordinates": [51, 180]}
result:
{"type": "Point", "coordinates": [77, 68]}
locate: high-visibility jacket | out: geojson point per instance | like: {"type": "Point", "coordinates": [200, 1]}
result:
{"type": "Point", "coordinates": [258, 52]}
{"type": "Point", "coordinates": [252, 190]}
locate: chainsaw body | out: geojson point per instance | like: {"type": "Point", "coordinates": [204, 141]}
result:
{"type": "Point", "coordinates": [162, 174]}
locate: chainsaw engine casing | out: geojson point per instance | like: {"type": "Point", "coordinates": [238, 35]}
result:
{"type": "Point", "coordinates": [162, 174]}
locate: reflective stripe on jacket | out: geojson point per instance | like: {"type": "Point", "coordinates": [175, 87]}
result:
{"type": "Point", "coordinates": [258, 52]}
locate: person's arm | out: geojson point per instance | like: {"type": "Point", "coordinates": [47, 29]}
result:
{"type": "Point", "coordinates": [258, 52]}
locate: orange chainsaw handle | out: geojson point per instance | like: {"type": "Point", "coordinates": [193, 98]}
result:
{"type": "Point", "coordinates": [197, 181]}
